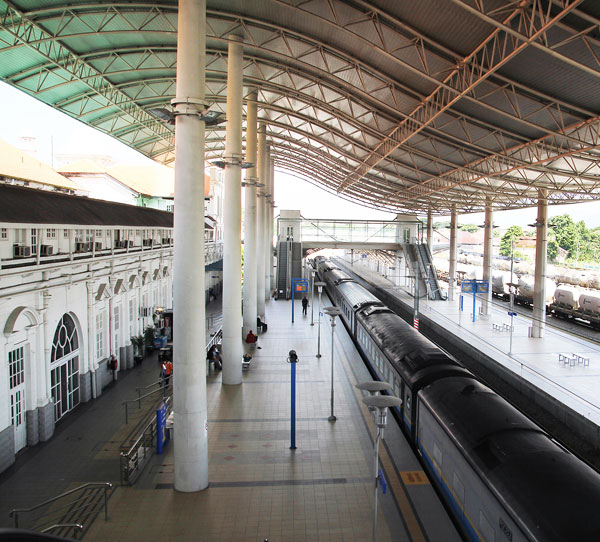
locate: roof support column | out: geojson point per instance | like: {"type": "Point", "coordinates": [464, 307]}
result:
{"type": "Point", "coordinates": [429, 228]}
{"type": "Point", "coordinates": [267, 213]}
{"type": "Point", "coordinates": [486, 302]}
{"type": "Point", "coordinates": [232, 218]}
{"type": "Point", "coordinates": [250, 254]}
{"type": "Point", "coordinates": [271, 218]}
{"type": "Point", "coordinates": [541, 246]}
{"type": "Point", "coordinates": [452, 269]}
{"type": "Point", "coordinates": [189, 406]}
{"type": "Point", "coordinates": [260, 222]}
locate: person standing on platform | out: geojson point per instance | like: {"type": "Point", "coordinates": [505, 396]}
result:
{"type": "Point", "coordinates": [304, 305]}
{"type": "Point", "coordinates": [168, 371]}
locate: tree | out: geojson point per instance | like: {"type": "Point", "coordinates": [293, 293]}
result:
{"type": "Point", "coordinates": [513, 233]}
{"type": "Point", "coordinates": [566, 232]}
{"type": "Point", "coordinates": [471, 228]}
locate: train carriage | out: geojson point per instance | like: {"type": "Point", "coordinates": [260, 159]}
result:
{"type": "Point", "coordinates": [501, 475]}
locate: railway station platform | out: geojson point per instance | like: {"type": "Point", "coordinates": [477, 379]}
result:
{"type": "Point", "coordinates": [259, 488]}
{"type": "Point", "coordinates": [562, 370]}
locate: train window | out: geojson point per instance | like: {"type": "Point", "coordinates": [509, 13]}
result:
{"type": "Point", "coordinates": [408, 402]}
{"type": "Point", "coordinates": [396, 388]}
{"type": "Point", "coordinates": [458, 488]}
{"type": "Point", "coordinates": [485, 528]}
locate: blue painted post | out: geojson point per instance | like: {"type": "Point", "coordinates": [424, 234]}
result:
{"type": "Point", "coordinates": [293, 290]}
{"type": "Point", "coordinates": [292, 360]}
{"type": "Point", "coordinates": [293, 444]}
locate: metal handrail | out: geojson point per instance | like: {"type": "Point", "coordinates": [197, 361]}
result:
{"type": "Point", "coordinates": [139, 400]}
{"type": "Point", "coordinates": [107, 485]}
{"type": "Point", "coordinates": [77, 526]}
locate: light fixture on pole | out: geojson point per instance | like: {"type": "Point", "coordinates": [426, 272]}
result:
{"type": "Point", "coordinates": [332, 312]}
{"type": "Point", "coordinates": [374, 387]}
{"type": "Point", "coordinates": [380, 403]}
{"type": "Point", "coordinates": [319, 286]}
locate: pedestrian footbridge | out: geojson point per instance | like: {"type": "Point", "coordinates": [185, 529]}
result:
{"type": "Point", "coordinates": [401, 238]}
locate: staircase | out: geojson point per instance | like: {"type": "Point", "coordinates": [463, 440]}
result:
{"type": "Point", "coordinates": [283, 253]}
{"type": "Point", "coordinates": [428, 271]}
{"type": "Point", "coordinates": [68, 515]}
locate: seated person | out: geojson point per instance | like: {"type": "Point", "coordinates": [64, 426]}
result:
{"type": "Point", "coordinates": [260, 325]}
{"type": "Point", "coordinates": [214, 356]}
{"type": "Point", "coordinates": [251, 338]}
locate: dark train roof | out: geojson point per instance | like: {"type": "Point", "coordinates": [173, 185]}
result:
{"type": "Point", "coordinates": [551, 492]}
{"type": "Point", "coordinates": [356, 295]}
{"type": "Point", "coordinates": [30, 206]}
{"type": "Point", "coordinates": [416, 358]}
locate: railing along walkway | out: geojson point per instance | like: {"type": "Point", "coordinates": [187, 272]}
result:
{"type": "Point", "coordinates": [67, 514]}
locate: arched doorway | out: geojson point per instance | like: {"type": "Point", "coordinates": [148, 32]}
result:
{"type": "Point", "coordinates": [64, 367]}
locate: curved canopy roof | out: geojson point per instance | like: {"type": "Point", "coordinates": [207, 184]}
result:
{"type": "Point", "coordinates": [401, 105]}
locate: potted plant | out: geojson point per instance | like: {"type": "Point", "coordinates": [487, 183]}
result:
{"type": "Point", "coordinates": [149, 338]}
{"type": "Point", "coordinates": [138, 348]}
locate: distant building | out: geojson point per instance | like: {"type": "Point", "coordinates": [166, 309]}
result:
{"type": "Point", "coordinates": [20, 169]}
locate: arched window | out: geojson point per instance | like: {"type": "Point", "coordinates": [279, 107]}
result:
{"type": "Point", "coordinates": [65, 339]}
{"type": "Point", "coordinates": [64, 373]}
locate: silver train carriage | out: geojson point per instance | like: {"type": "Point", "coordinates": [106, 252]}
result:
{"type": "Point", "coordinates": [500, 474]}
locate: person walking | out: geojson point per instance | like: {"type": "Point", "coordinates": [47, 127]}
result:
{"type": "Point", "coordinates": [304, 305]}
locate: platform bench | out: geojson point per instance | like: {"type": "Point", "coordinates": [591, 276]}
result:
{"type": "Point", "coordinates": [566, 358]}
{"type": "Point", "coordinates": [582, 358]}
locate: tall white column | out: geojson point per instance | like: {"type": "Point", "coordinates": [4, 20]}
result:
{"type": "Point", "coordinates": [452, 270]}
{"type": "Point", "coordinates": [266, 229]}
{"type": "Point", "coordinates": [260, 223]}
{"type": "Point", "coordinates": [250, 279]}
{"type": "Point", "coordinates": [486, 303]}
{"type": "Point", "coordinates": [271, 216]}
{"type": "Point", "coordinates": [541, 246]}
{"type": "Point", "coordinates": [232, 219]}
{"type": "Point", "coordinates": [429, 227]}
{"type": "Point", "coordinates": [189, 390]}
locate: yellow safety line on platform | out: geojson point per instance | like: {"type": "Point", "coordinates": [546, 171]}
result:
{"type": "Point", "coordinates": [385, 460]}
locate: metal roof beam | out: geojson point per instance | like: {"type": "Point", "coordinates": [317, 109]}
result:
{"type": "Point", "coordinates": [497, 49]}
{"type": "Point", "coordinates": [537, 9]}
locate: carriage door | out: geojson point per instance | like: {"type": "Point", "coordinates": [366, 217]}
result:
{"type": "Point", "coordinates": [16, 378]}
{"type": "Point", "coordinates": [64, 371]}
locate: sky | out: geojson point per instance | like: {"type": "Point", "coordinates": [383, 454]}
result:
{"type": "Point", "coordinates": [57, 136]}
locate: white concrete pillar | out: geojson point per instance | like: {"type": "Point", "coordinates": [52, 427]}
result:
{"type": "Point", "coordinates": [260, 222]}
{"type": "Point", "coordinates": [541, 246]}
{"type": "Point", "coordinates": [266, 229]}
{"type": "Point", "coordinates": [189, 388]}
{"type": "Point", "coordinates": [232, 219]}
{"type": "Point", "coordinates": [486, 301]}
{"type": "Point", "coordinates": [429, 228]}
{"type": "Point", "coordinates": [453, 250]}
{"type": "Point", "coordinates": [271, 218]}
{"type": "Point", "coordinates": [250, 279]}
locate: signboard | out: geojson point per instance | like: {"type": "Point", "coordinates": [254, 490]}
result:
{"type": "Point", "coordinates": [467, 286]}
{"type": "Point", "coordinates": [483, 287]}
{"type": "Point", "coordinates": [299, 286]}
{"type": "Point", "coordinates": [161, 427]}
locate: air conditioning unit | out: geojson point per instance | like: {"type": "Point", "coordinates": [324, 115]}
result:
{"type": "Point", "coordinates": [98, 246]}
{"type": "Point", "coordinates": [46, 250]}
{"type": "Point", "coordinates": [147, 242]}
{"type": "Point", "coordinates": [21, 251]}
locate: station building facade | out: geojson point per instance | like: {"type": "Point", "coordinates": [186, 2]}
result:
{"type": "Point", "coordinates": [78, 279]}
